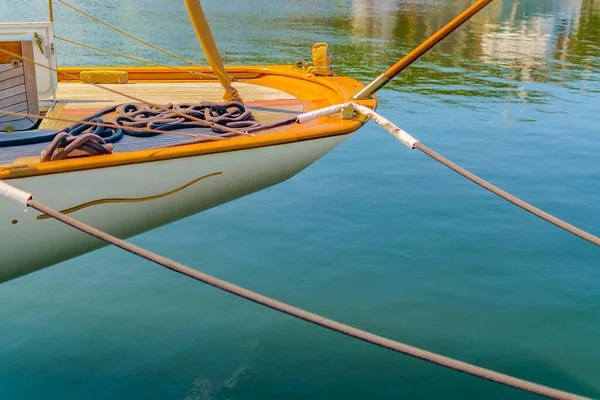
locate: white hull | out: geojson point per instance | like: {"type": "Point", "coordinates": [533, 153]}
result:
{"type": "Point", "coordinates": [32, 243]}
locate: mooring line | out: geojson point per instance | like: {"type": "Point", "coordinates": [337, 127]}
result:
{"type": "Point", "coordinates": [509, 197]}
{"type": "Point", "coordinates": [27, 200]}
{"type": "Point", "coordinates": [413, 143]}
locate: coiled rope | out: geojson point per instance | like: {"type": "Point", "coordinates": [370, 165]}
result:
{"type": "Point", "coordinates": [89, 143]}
{"type": "Point", "coordinates": [27, 199]}
{"type": "Point", "coordinates": [146, 121]}
{"type": "Point", "coordinates": [110, 125]}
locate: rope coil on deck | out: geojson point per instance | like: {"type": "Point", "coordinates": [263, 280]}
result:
{"type": "Point", "coordinates": [88, 143]}
{"type": "Point", "coordinates": [143, 130]}
{"type": "Point", "coordinates": [91, 135]}
{"type": "Point", "coordinates": [136, 99]}
{"type": "Point", "coordinates": [215, 116]}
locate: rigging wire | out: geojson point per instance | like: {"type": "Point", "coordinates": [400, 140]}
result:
{"type": "Point", "coordinates": [126, 56]}
{"type": "Point", "coordinates": [130, 35]}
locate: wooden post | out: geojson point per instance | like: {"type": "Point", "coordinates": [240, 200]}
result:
{"type": "Point", "coordinates": [209, 46]}
{"type": "Point", "coordinates": [50, 11]}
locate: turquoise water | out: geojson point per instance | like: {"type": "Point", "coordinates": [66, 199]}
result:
{"type": "Point", "coordinates": [373, 235]}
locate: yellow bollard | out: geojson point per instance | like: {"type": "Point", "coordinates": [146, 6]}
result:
{"type": "Point", "coordinates": [321, 59]}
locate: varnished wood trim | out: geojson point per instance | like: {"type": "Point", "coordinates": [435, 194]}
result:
{"type": "Point", "coordinates": [55, 112]}
{"type": "Point", "coordinates": [13, 47]}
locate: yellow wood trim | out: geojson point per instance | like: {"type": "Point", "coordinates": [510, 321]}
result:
{"type": "Point", "coordinates": [207, 41]}
{"type": "Point", "coordinates": [346, 85]}
{"type": "Point", "coordinates": [54, 112]}
{"type": "Point", "coordinates": [129, 200]}
{"type": "Point", "coordinates": [13, 47]}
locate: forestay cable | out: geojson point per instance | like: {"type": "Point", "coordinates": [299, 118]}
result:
{"type": "Point", "coordinates": [114, 53]}
{"type": "Point", "coordinates": [130, 35]}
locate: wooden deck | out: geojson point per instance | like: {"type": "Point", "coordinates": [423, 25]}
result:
{"type": "Point", "coordinates": [78, 100]}
{"type": "Point", "coordinates": [274, 93]}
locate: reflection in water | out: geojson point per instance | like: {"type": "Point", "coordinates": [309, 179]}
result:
{"type": "Point", "coordinates": [510, 42]}
{"type": "Point", "coordinates": [521, 49]}
{"type": "Point", "coordinates": [507, 43]}
{"type": "Point", "coordinates": [373, 18]}
{"type": "Point", "coordinates": [528, 48]}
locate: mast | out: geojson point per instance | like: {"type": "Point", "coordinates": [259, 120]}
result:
{"type": "Point", "coordinates": [50, 11]}
{"type": "Point", "coordinates": [211, 51]}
